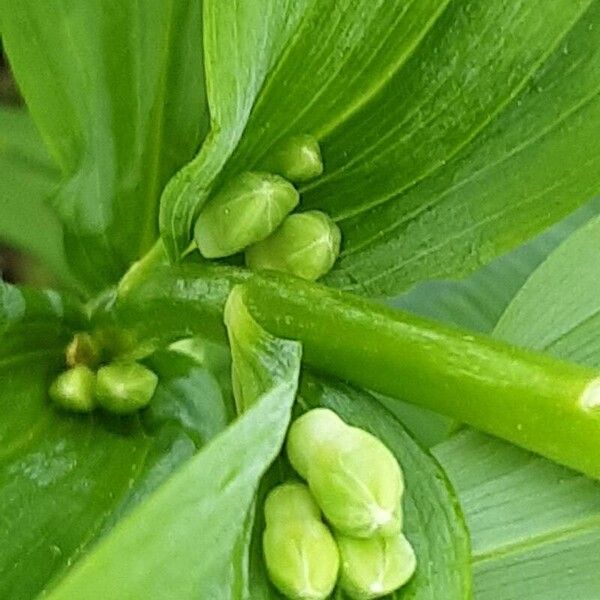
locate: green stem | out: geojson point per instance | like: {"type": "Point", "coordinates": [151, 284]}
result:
{"type": "Point", "coordinates": [140, 269]}
{"type": "Point", "coordinates": [530, 399]}
{"type": "Point", "coordinates": [533, 400]}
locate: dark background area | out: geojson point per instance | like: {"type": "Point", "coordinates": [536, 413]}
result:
{"type": "Point", "coordinates": [14, 265]}
{"type": "Point", "coordinates": [8, 91]}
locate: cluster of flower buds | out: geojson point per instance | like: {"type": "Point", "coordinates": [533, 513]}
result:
{"type": "Point", "coordinates": [120, 387]}
{"type": "Point", "coordinates": [356, 483]}
{"type": "Point", "coordinates": [252, 213]}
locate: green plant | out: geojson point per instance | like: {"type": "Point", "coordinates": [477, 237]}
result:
{"type": "Point", "coordinates": [375, 567]}
{"type": "Point", "coordinates": [441, 134]}
{"type": "Point", "coordinates": [355, 479]}
{"type": "Point", "coordinates": [301, 555]}
{"type": "Point", "coordinates": [306, 245]}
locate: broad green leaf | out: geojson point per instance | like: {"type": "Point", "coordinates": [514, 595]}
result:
{"type": "Point", "coordinates": [477, 302]}
{"type": "Point", "coordinates": [216, 358]}
{"type": "Point", "coordinates": [433, 520]}
{"type": "Point", "coordinates": [66, 479]}
{"type": "Point", "coordinates": [535, 526]}
{"type": "Point", "coordinates": [190, 539]}
{"type": "Point", "coordinates": [440, 150]}
{"type": "Point", "coordinates": [488, 159]}
{"type": "Point", "coordinates": [35, 322]}
{"type": "Point", "coordinates": [558, 309]}
{"type": "Point", "coordinates": [117, 92]}
{"type": "Point", "coordinates": [188, 396]}
{"type": "Point", "coordinates": [27, 179]}
{"type": "Point", "coordinates": [242, 41]}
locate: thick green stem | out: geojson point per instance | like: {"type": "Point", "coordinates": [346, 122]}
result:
{"type": "Point", "coordinates": [530, 399]}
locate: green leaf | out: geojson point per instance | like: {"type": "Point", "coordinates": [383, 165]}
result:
{"type": "Point", "coordinates": [477, 302]}
{"type": "Point", "coordinates": [34, 323]}
{"type": "Point", "coordinates": [558, 309]}
{"type": "Point", "coordinates": [188, 396]}
{"type": "Point", "coordinates": [434, 162]}
{"type": "Point", "coordinates": [535, 526]}
{"type": "Point", "coordinates": [117, 93]}
{"type": "Point", "coordinates": [160, 551]}
{"type": "Point", "coordinates": [66, 479]}
{"type": "Point", "coordinates": [27, 179]}
{"type": "Point", "coordinates": [241, 45]}
{"type": "Point", "coordinates": [433, 520]}
{"type": "Point", "coordinates": [481, 158]}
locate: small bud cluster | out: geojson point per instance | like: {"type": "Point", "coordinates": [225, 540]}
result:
{"type": "Point", "coordinates": [252, 213]}
{"type": "Point", "coordinates": [120, 387]}
{"type": "Point", "coordinates": [356, 483]}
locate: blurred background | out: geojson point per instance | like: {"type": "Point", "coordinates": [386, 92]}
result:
{"type": "Point", "coordinates": [26, 176]}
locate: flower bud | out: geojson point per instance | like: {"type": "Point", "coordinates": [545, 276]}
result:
{"type": "Point", "coordinates": [125, 387]}
{"type": "Point", "coordinates": [73, 390]}
{"type": "Point", "coordinates": [297, 158]}
{"type": "Point", "coordinates": [306, 245]}
{"type": "Point", "coordinates": [291, 501]}
{"type": "Point", "coordinates": [83, 349]}
{"type": "Point", "coordinates": [375, 567]}
{"type": "Point", "coordinates": [246, 210]}
{"type": "Point", "coordinates": [354, 478]}
{"type": "Point", "coordinates": [301, 555]}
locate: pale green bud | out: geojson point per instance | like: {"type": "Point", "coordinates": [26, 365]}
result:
{"type": "Point", "coordinates": [291, 501]}
{"type": "Point", "coordinates": [306, 245]}
{"type": "Point", "coordinates": [297, 158]}
{"type": "Point", "coordinates": [83, 350]}
{"type": "Point", "coordinates": [300, 553]}
{"type": "Point", "coordinates": [354, 478]}
{"type": "Point", "coordinates": [247, 209]}
{"type": "Point", "coordinates": [73, 390]}
{"type": "Point", "coordinates": [125, 387]}
{"type": "Point", "coordinates": [375, 567]}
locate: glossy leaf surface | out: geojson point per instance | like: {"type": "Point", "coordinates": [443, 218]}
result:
{"type": "Point", "coordinates": [117, 93]}
{"type": "Point", "coordinates": [535, 525]}
{"type": "Point", "coordinates": [440, 150]}
{"type": "Point", "coordinates": [190, 539]}
{"type": "Point", "coordinates": [66, 479]}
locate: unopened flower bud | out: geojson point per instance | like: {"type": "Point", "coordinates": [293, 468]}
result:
{"type": "Point", "coordinates": [354, 478]}
{"type": "Point", "coordinates": [73, 390]}
{"type": "Point", "coordinates": [83, 350]}
{"type": "Point", "coordinates": [125, 387]}
{"type": "Point", "coordinates": [246, 210]}
{"type": "Point", "coordinates": [306, 245]}
{"type": "Point", "coordinates": [375, 567]}
{"type": "Point", "coordinates": [297, 158]}
{"type": "Point", "coordinates": [301, 555]}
